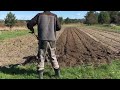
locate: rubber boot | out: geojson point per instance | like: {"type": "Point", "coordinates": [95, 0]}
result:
{"type": "Point", "coordinates": [41, 74]}
{"type": "Point", "coordinates": [57, 72]}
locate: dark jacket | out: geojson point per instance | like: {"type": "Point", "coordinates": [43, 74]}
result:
{"type": "Point", "coordinates": [48, 24]}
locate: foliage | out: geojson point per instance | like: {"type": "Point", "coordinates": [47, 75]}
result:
{"type": "Point", "coordinates": [91, 18]}
{"type": "Point", "coordinates": [104, 17]}
{"type": "Point", "coordinates": [10, 20]}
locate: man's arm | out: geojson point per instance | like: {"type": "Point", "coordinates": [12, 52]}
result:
{"type": "Point", "coordinates": [32, 23]}
{"type": "Point", "coordinates": [58, 25]}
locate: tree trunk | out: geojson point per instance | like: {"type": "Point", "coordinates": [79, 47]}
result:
{"type": "Point", "coordinates": [10, 28]}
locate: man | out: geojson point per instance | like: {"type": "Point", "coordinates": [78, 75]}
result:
{"type": "Point", "coordinates": [48, 24]}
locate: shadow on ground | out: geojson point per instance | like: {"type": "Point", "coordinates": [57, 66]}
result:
{"type": "Point", "coordinates": [29, 59]}
{"type": "Point", "coordinates": [13, 69]}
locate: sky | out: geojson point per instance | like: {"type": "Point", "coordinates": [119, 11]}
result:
{"type": "Point", "coordinates": [27, 15]}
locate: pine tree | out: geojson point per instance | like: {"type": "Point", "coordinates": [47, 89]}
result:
{"type": "Point", "coordinates": [10, 20]}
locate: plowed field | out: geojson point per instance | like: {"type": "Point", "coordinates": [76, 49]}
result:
{"type": "Point", "coordinates": [74, 47]}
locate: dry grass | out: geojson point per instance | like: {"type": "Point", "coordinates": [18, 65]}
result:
{"type": "Point", "coordinates": [14, 28]}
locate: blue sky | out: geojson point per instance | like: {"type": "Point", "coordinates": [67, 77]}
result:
{"type": "Point", "coordinates": [27, 15]}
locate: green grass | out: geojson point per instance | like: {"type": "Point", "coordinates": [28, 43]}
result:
{"type": "Point", "coordinates": [106, 71]}
{"type": "Point", "coordinates": [13, 34]}
{"type": "Point", "coordinates": [104, 27]}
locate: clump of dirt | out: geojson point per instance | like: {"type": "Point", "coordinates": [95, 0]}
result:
{"type": "Point", "coordinates": [76, 48]}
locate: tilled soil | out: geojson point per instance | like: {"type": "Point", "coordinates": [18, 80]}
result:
{"type": "Point", "coordinates": [20, 49]}
{"type": "Point", "coordinates": [14, 51]}
{"type": "Point", "coordinates": [76, 47]}
{"type": "Point", "coordinates": [109, 39]}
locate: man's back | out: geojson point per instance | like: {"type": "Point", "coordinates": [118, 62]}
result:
{"type": "Point", "coordinates": [47, 23]}
{"type": "Point", "coordinates": [46, 26]}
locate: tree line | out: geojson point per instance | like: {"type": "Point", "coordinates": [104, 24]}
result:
{"type": "Point", "coordinates": [10, 21]}
{"type": "Point", "coordinates": [103, 17]}
{"type": "Point", "coordinates": [92, 17]}
{"type": "Point", "coordinates": [68, 20]}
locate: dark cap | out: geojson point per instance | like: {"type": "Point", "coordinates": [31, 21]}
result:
{"type": "Point", "coordinates": [46, 11]}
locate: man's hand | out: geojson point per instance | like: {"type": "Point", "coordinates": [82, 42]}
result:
{"type": "Point", "coordinates": [32, 30]}
{"type": "Point", "coordinates": [30, 27]}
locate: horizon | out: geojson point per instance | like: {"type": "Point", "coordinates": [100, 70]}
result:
{"type": "Point", "coordinates": [27, 15]}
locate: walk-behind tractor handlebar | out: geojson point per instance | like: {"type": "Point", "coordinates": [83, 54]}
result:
{"type": "Point", "coordinates": [34, 35]}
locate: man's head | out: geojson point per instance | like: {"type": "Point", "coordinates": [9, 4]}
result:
{"type": "Point", "coordinates": [46, 11]}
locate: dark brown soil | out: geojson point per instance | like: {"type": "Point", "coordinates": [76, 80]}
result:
{"type": "Point", "coordinates": [76, 48]}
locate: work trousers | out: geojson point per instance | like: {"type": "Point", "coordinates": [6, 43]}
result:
{"type": "Point", "coordinates": [47, 48]}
